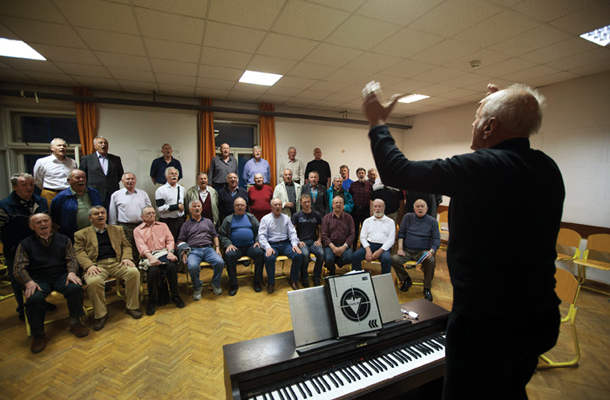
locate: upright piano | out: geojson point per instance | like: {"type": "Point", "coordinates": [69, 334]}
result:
{"type": "Point", "coordinates": [403, 356]}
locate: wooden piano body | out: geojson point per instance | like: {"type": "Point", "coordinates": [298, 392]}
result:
{"type": "Point", "coordinates": [258, 365]}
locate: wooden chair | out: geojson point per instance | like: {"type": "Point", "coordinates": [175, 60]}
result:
{"type": "Point", "coordinates": [4, 279]}
{"type": "Point", "coordinates": [443, 227]}
{"type": "Point", "coordinates": [597, 255]}
{"type": "Point", "coordinates": [568, 243]}
{"type": "Point", "coordinates": [567, 290]}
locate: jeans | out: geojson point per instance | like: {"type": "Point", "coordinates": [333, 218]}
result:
{"type": "Point", "coordinates": [255, 253]}
{"type": "Point", "coordinates": [209, 255]}
{"type": "Point", "coordinates": [385, 258]}
{"type": "Point", "coordinates": [331, 259]}
{"type": "Point", "coordinates": [282, 248]}
{"type": "Point", "coordinates": [310, 248]}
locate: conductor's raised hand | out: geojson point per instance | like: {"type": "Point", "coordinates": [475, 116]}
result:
{"type": "Point", "coordinates": [374, 106]}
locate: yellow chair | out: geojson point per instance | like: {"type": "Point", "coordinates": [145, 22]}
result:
{"type": "Point", "coordinates": [568, 243]}
{"type": "Point", "coordinates": [567, 290]}
{"type": "Point", "coordinates": [597, 255]}
{"type": "Point", "coordinates": [4, 279]}
{"type": "Point", "coordinates": [443, 227]}
{"type": "Point", "coordinates": [206, 275]}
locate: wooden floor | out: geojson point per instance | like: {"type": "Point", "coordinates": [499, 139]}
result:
{"type": "Point", "coordinates": [177, 353]}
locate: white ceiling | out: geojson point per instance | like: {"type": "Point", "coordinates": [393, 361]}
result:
{"type": "Point", "coordinates": [327, 50]}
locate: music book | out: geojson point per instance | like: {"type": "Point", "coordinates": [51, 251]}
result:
{"type": "Point", "coordinates": [353, 304]}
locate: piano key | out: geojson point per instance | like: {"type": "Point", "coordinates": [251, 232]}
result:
{"type": "Point", "coordinates": [347, 378]}
{"type": "Point", "coordinates": [325, 382]}
{"type": "Point", "coordinates": [334, 373]}
{"type": "Point", "coordinates": [354, 372]}
{"type": "Point", "coordinates": [292, 393]}
{"type": "Point", "coordinates": [320, 385]}
{"type": "Point", "coordinates": [307, 389]}
{"type": "Point", "coordinates": [303, 395]}
{"type": "Point", "coordinates": [368, 371]}
{"type": "Point", "coordinates": [332, 379]}
{"type": "Point", "coordinates": [315, 386]}
{"type": "Point", "coordinates": [349, 373]}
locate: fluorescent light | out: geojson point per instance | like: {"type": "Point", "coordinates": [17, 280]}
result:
{"type": "Point", "coordinates": [412, 98]}
{"type": "Point", "coordinates": [18, 49]}
{"type": "Point", "coordinates": [259, 78]}
{"type": "Point", "coordinates": [599, 36]}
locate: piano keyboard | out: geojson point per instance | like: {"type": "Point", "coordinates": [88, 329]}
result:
{"type": "Point", "coordinates": [348, 378]}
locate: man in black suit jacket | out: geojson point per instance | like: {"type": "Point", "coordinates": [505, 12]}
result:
{"type": "Point", "coordinates": [320, 204]}
{"type": "Point", "coordinates": [104, 171]}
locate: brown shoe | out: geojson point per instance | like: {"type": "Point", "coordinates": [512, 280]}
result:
{"type": "Point", "coordinates": [79, 330]}
{"type": "Point", "coordinates": [39, 343]}
{"type": "Point", "coordinates": [270, 288]}
{"type": "Point", "coordinates": [293, 284]}
{"type": "Point", "coordinates": [99, 323]}
{"type": "Point", "coordinates": [136, 314]}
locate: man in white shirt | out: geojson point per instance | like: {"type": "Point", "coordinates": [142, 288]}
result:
{"type": "Point", "coordinates": [170, 202]}
{"type": "Point", "coordinates": [294, 165]}
{"type": "Point", "coordinates": [377, 238]}
{"type": "Point", "coordinates": [51, 172]}
{"type": "Point", "coordinates": [126, 208]}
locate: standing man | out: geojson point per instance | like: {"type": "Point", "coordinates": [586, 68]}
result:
{"type": "Point", "coordinates": [45, 262]}
{"type": "Point", "coordinates": [502, 171]}
{"type": "Point", "coordinates": [259, 197]}
{"type": "Point", "coordinates": [15, 212]}
{"type": "Point", "coordinates": [372, 176]}
{"type": "Point", "coordinates": [418, 236]}
{"type": "Point", "coordinates": [344, 172]}
{"type": "Point", "coordinates": [103, 250]}
{"type": "Point", "coordinates": [159, 165]}
{"type": "Point", "coordinates": [294, 165]}
{"type": "Point", "coordinates": [221, 166]}
{"type": "Point", "coordinates": [361, 191]}
{"type": "Point", "coordinates": [170, 202]}
{"type": "Point", "coordinates": [256, 165]}
{"type": "Point", "coordinates": [337, 191]}
{"type": "Point", "coordinates": [156, 243]}
{"type": "Point", "coordinates": [208, 197]}
{"type": "Point", "coordinates": [277, 236]}
{"type": "Point", "coordinates": [290, 193]}
{"type": "Point", "coordinates": [317, 192]}
{"type": "Point", "coordinates": [320, 166]}
{"type": "Point", "coordinates": [308, 224]}
{"type": "Point", "coordinates": [70, 208]}
{"type": "Point", "coordinates": [239, 237]}
{"type": "Point", "coordinates": [228, 194]}
{"type": "Point", "coordinates": [198, 242]}
{"type": "Point", "coordinates": [103, 170]}
{"type": "Point", "coordinates": [126, 208]}
{"type": "Point", "coordinates": [337, 236]}
{"type": "Point", "coordinates": [51, 172]}
{"type": "Point", "coordinates": [377, 239]}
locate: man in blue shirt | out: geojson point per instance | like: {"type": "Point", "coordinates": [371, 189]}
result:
{"type": "Point", "coordinates": [239, 236]}
{"type": "Point", "coordinates": [159, 165]}
{"type": "Point", "coordinates": [256, 165]}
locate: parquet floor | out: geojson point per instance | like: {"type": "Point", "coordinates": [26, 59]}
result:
{"type": "Point", "coordinates": [177, 353]}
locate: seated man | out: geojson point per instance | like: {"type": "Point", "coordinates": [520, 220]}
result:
{"type": "Point", "coordinates": [103, 250]}
{"type": "Point", "coordinates": [277, 236]}
{"type": "Point", "coordinates": [45, 262]}
{"type": "Point", "coordinates": [239, 236]}
{"type": "Point", "coordinates": [308, 224]}
{"type": "Point", "coordinates": [377, 238]}
{"type": "Point", "coordinates": [337, 236]}
{"type": "Point", "coordinates": [198, 242]}
{"type": "Point", "coordinates": [155, 242]}
{"type": "Point", "coordinates": [418, 235]}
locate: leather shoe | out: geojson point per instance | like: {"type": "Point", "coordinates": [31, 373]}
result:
{"type": "Point", "coordinates": [99, 323]}
{"type": "Point", "coordinates": [79, 330]}
{"type": "Point", "coordinates": [293, 285]}
{"type": "Point", "coordinates": [51, 306]}
{"type": "Point", "coordinates": [178, 302]}
{"type": "Point", "coordinates": [150, 308]}
{"type": "Point", "coordinates": [316, 281]}
{"type": "Point", "coordinates": [406, 284]}
{"type": "Point", "coordinates": [428, 294]}
{"type": "Point", "coordinates": [233, 290]}
{"type": "Point", "coordinates": [39, 343]}
{"type": "Point", "coordinates": [270, 288]}
{"type": "Point", "coordinates": [305, 282]}
{"type": "Point", "coordinates": [135, 314]}
{"type": "Point", "coordinates": [257, 287]}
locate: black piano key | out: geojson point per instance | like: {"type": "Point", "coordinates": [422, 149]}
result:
{"type": "Point", "coordinates": [315, 385]}
{"type": "Point", "coordinates": [389, 360]}
{"type": "Point", "coordinates": [359, 369]}
{"type": "Point", "coordinates": [363, 365]}
{"type": "Point", "coordinates": [347, 378]}
{"type": "Point", "coordinates": [435, 345]}
{"type": "Point", "coordinates": [301, 390]}
{"type": "Point", "coordinates": [394, 358]}
{"type": "Point", "coordinates": [380, 364]}
{"type": "Point", "coordinates": [354, 372]}
{"type": "Point", "coordinates": [306, 386]}
{"type": "Point", "coordinates": [294, 396]}
{"type": "Point", "coordinates": [333, 373]}
{"type": "Point", "coordinates": [332, 379]}
{"type": "Point", "coordinates": [400, 357]}
{"type": "Point", "coordinates": [372, 364]}
{"type": "Point", "coordinates": [349, 373]}
{"type": "Point", "coordinates": [420, 349]}
{"type": "Point", "coordinates": [411, 351]}
{"type": "Point", "coordinates": [279, 391]}
{"type": "Point", "coordinates": [428, 346]}
{"type": "Point", "coordinates": [324, 381]}
{"type": "Point", "coordinates": [320, 384]}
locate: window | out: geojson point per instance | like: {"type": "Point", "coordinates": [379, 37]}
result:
{"type": "Point", "coordinates": [37, 128]}
{"type": "Point", "coordinates": [242, 137]}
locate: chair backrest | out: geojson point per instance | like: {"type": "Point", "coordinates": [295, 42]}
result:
{"type": "Point", "coordinates": [599, 242]}
{"type": "Point", "coordinates": [567, 286]}
{"type": "Point", "coordinates": [443, 221]}
{"type": "Point", "coordinates": [568, 237]}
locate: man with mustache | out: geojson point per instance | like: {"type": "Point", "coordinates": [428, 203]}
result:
{"type": "Point", "coordinates": [377, 239]}
{"type": "Point", "coordinates": [170, 202]}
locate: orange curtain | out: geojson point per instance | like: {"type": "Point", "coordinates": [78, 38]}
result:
{"type": "Point", "coordinates": [86, 120]}
{"type": "Point", "coordinates": [207, 144]}
{"type": "Point", "coordinates": [268, 140]}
